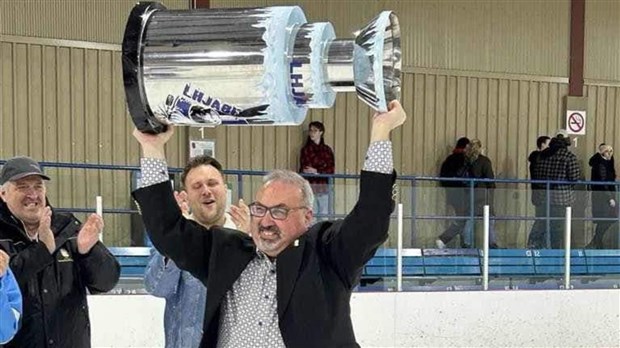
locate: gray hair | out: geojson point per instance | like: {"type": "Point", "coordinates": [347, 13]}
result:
{"type": "Point", "coordinates": [290, 177]}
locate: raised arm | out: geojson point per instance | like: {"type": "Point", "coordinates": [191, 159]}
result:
{"type": "Point", "coordinates": [351, 243]}
{"type": "Point", "coordinates": [183, 241]}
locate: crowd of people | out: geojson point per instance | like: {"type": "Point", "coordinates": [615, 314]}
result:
{"type": "Point", "coordinates": [551, 161]}
{"type": "Point", "coordinates": [270, 270]}
{"type": "Point", "coordinates": [250, 274]}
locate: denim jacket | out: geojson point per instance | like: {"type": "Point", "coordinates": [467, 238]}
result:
{"type": "Point", "coordinates": [185, 296]}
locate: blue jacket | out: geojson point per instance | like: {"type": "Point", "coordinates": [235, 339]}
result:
{"type": "Point", "coordinates": [185, 296]}
{"type": "Point", "coordinates": [10, 306]}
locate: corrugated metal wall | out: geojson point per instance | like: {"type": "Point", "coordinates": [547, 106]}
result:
{"type": "Point", "coordinates": [523, 37]}
{"type": "Point", "coordinates": [602, 40]}
{"type": "Point", "coordinates": [91, 20]}
{"type": "Point", "coordinates": [64, 102]}
{"type": "Point", "coordinates": [495, 70]}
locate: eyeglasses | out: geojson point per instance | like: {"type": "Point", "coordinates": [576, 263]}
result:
{"type": "Point", "coordinates": [278, 212]}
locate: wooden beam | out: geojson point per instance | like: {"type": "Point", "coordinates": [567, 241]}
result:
{"type": "Point", "coordinates": [577, 29]}
{"type": "Point", "coordinates": [201, 4]}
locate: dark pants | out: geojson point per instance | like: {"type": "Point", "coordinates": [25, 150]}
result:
{"type": "Point", "coordinates": [557, 226]}
{"type": "Point", "coordinates": [536, 238]}
{"type": "Point", "coordinates": [457, 226]}
{"type": "Point", "coordinates": [601, 227]}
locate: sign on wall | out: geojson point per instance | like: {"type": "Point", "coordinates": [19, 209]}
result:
{"type": "Point", "coordinates": [576, 122]}
{"type": "Point", "coordinates": [201, 147]}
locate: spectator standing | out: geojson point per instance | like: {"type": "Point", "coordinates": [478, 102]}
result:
{"type": "Point", "coordinates": [457, 195]}
{"type": "Point", "coordinates": [481, 167]}
{"type": "Point", "coordinates": [557, 163]}
{"type": "Point", "coordinates": [603, 196]}
{"type": "Point", "coordinates": [317, 158]}
{"type": "Point", "coordinates": [535, 239]}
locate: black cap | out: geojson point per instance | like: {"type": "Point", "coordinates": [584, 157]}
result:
{"type": "Point", "coordinates": [20, 167]}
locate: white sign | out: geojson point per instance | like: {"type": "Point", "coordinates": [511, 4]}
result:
{"type": "Point", "coordinates": [201, 147]}
{"type": "Point", "coordinates": [576, 122]}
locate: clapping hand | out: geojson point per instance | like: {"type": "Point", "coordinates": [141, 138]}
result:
{"type": "Point", "coordinates": [181, 198]}
{"type": "Point", "coordinates": [46, 236]}
{"type": "Point", "coordinates": [89, 234]}
{"type": "Point", "coordinates": [240, 215]}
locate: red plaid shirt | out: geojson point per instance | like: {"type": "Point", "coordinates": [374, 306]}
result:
{"type": "Point", "coordinates": [320, 157]}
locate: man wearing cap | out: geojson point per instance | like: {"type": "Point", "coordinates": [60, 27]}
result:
{"type": "Point", "coordinates": [555, 163]}
{"type": "Point", "coordinates": [55, 259]}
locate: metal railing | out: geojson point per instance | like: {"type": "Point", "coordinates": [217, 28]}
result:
{"type": "Point", "coordinates": [414, 182]}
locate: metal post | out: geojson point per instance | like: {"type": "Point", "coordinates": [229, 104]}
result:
{"type": "Point", "coordinates": [567, 236]}
{"type": "Point", "coordinates": [99, 211]}
{"type": "Point", "coordinates": [399, 250]}
{"type": "Point", "coordinates": [618, 215]}
{"type": "Point", "coordinates": [548, 208]}
{"type": "Point", "coordinates": [413, 206]}
{"type": "Point", "coordinates": [471, 232]}
{"type": "Point", "coordinates": [330, 197]}
{"type": "Point", "coordinates": [240, 186]}
{"type": "Point", "coordinates": [485, 248]}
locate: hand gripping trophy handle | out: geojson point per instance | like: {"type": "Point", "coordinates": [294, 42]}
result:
{"type": "Point", "coordinates": [257, 66]}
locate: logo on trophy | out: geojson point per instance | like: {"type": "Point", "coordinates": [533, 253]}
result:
{"type": "Point", "coordinates": [250, 66]}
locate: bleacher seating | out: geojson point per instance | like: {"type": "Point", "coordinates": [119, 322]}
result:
{"type": "Point", "coordinates": [451, 262]}
{"type": "Point", "coordinates": [424, 266]}
{"type": "Point", "coordinates": [602, 261]}
{"type": "Point", "coordinates": [551, 262]}
{"type": "Point", "coordinates": [510, 262]}
{"type": "Point", "coordinates": [133, 260]}
{"type": "Point", "coordinates": [428, 266]}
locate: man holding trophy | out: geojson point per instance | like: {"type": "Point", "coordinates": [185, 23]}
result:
{"type": "Point", "coordinates": [288, 283]}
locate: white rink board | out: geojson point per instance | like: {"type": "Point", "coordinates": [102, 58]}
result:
{"type": "Point", "coordinates": [575, 318]}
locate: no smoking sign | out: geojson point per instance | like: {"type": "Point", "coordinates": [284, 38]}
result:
{"type": "Point", "coordinates": [576, 122]}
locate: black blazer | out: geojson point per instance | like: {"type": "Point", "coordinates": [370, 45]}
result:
{"type": "Point", "coordinates": [314, 279]}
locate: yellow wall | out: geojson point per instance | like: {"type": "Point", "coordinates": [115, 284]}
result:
{"type": "Point", "coordinates": [493, 70]}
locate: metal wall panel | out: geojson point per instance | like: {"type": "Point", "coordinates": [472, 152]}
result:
{"type": "Point", "coordinates": [521, 37]}
{"type": "Point", "coordinates": [67, 104]}
{"type": "Point", "coordinates": [88, 20]}
{"type": "Point", "coordinates": [602, 40]}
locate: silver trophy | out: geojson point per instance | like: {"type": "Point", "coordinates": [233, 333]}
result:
{"type": "Point", "coordinates": [250, 66]}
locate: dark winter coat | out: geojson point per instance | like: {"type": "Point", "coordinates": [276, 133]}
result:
{"type": "Point", "coordinates": [54, 286]}
{"type": "Point", "coordinates": [456, 194]}
{"type": "Point", "coordinates": [602, 170]}
{"type": "Point", "coordinates": [482, 168]}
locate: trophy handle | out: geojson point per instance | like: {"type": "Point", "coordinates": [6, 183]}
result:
{"type": "Point", "coordinates": [139, 109]}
